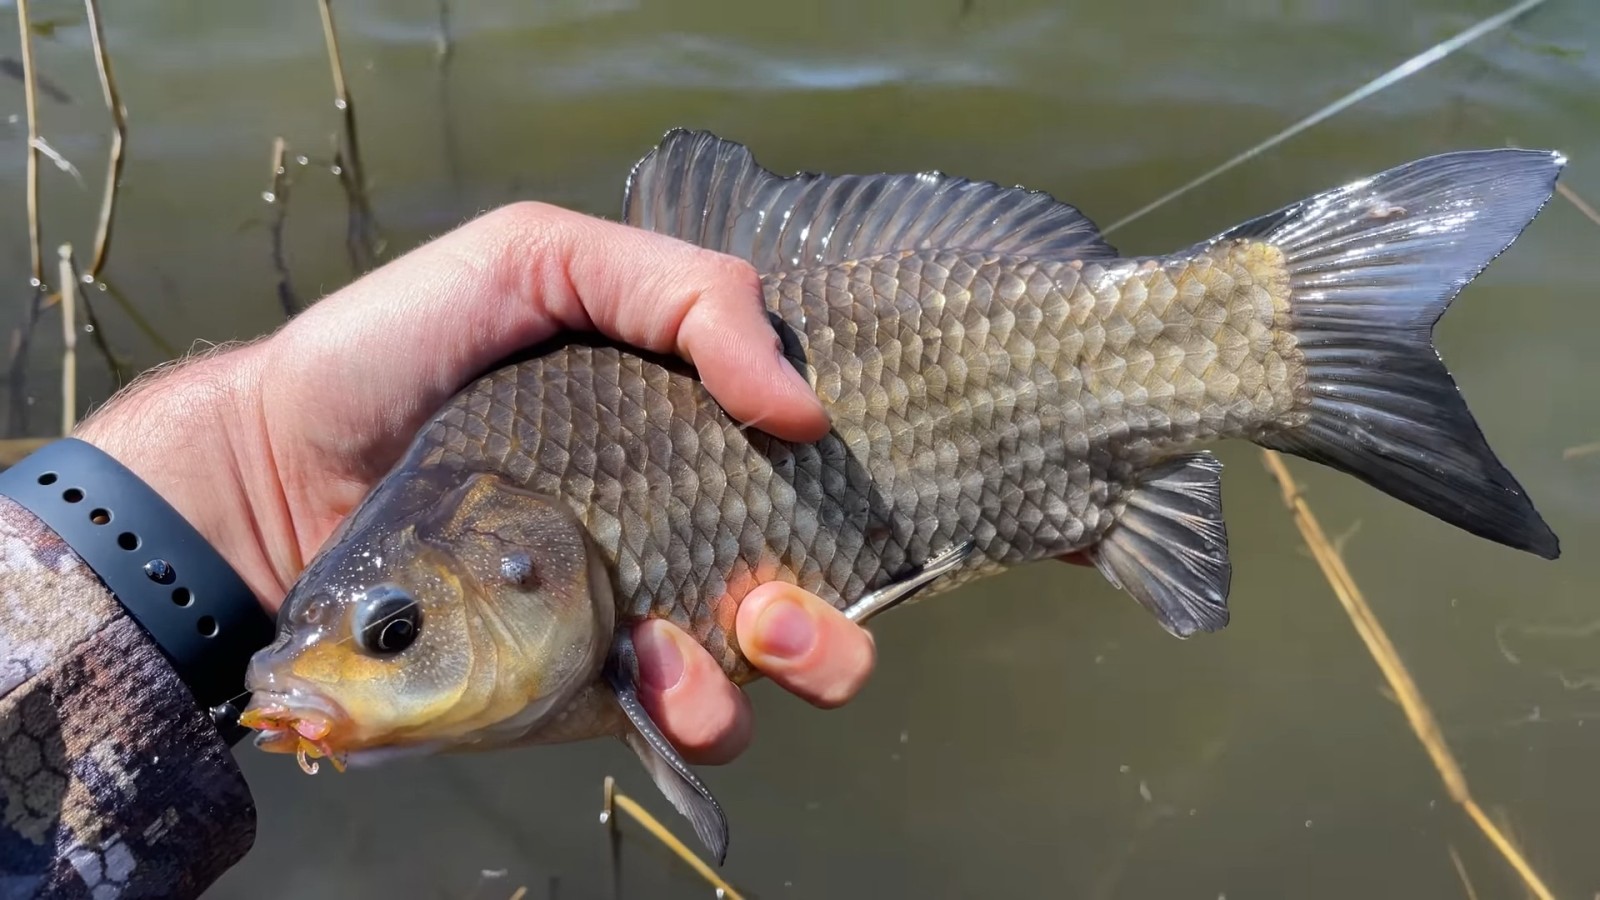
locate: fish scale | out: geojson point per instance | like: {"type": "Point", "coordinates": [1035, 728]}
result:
{"type": "Point", "coordinates": [953, 380]}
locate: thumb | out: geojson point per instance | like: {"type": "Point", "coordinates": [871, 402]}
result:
{"type": "Point", "coordinates": [407, 336]}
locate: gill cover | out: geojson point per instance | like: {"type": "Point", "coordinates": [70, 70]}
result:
{"type": "Point", "coordinates": [505, 603]}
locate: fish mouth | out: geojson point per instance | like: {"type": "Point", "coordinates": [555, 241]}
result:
{"type": "Point", "coordinates": [297, 722]}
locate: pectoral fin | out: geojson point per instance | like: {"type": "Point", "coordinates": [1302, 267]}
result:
{"type": "Point", "coordinates": [897, 592]}
{"type": "Point", "coordinates": [671, 773]}
{"type": "Point", "coordinates": [1169, 549]}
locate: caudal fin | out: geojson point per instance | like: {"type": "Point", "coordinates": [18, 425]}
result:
{"type": "Point", "coordinates": [1373, 265]}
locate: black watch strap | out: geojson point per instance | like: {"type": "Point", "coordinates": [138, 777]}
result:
{"type": "Point", "coordinates": [170, 579]}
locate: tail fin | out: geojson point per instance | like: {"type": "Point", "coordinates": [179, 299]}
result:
{"type": "Point", "coordinates": [1373, 265]}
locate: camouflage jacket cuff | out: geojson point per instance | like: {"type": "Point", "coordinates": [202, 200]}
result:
{"type": "Point", "coordinates": [113, 783]}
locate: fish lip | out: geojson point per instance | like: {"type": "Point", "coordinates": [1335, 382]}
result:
{"type": "Point", "coordinates": [278, 711]}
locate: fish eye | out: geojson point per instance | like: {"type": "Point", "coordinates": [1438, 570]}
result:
{"type": "Point", "coordinates": [388, 620]}
{"type": "Point", "coordinates": [517, 568]}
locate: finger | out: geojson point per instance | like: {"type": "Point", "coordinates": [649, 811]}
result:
{"type": "Point", "coordinates": [694, 704]}
{"type": "Point", "coordinates": [674, 297]}
{"type": "Point", "coordinates": [804, 644]}
{"type": "Point", "coordinates": [415, 331]}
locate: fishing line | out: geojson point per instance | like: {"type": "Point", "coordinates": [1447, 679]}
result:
{"type": "Point", "coordinates": [1388, 79]}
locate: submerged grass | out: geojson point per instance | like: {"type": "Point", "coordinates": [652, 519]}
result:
{"type": "Point", "coordinates": [1418, 714]}
{"type": "Point", "coordinates": [1461, 871]}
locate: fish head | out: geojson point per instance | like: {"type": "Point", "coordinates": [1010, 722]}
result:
{"type": "Point", "coordinates": [449, 609]}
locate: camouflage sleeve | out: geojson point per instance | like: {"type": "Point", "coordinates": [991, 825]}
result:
{"type": "Point", "coordinates": [113, 783]}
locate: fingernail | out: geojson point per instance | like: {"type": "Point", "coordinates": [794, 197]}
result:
{"type": "Point", "coordinates": [799, 380]}
{"type": "Point", "coordinates": [785, 630]}
{"type": "Point", "coordinates": [660, 660]}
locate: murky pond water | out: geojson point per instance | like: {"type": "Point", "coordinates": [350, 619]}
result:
{"type": "Point", "coordinates": [1035, 735]}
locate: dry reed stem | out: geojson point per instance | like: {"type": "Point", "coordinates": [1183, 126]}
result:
{"type": "Point", "coordinates": [23, 337]}
{"type": "Point", "coordinates": [616, 799]}
{"type": "Point", "coordinates": [1575, 200]}
{"type": "Point", "coordinates": [1416, 709]}
{"type": "Point", "coordinates": [30, 97]}
{"type": "Point", "coordinates": [69, 341]}
{"type": "Point", "coordinates": [119, 135]}
{"type": "Point", "coordinates": [1461, 871]}
{"type": "Point", "coordinates": [358, 238]}
{"type": "Point", "coordinates": [519, 893]}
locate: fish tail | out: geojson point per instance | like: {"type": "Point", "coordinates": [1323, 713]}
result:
{"type": "Point", "coordinates": [1372, 267]}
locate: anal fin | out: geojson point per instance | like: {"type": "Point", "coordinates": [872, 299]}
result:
{"type": "Point", "coordinates": [1169, 549]}
{"type": "Point", "coordinates": [670, 772]}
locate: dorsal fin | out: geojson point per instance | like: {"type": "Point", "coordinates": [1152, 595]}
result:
{"type": "Point", "coordinates": [700, 188]}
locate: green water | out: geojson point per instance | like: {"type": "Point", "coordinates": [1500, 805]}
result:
{"type": "Point", "coordinates": [1035, 735]}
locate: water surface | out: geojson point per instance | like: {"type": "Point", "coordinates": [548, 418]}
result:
{"type": "Point", "coordinates": [1035, 735]}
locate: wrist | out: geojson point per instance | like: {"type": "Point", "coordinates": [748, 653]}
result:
{"type": "Point", "coordinates": [190, 432]}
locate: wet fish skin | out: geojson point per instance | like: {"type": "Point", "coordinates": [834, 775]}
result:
{"type": "Point", "coordinates": [971, 394]}
{"type": "Point", "coordinates": [995, 373]}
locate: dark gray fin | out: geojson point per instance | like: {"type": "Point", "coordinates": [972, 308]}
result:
{"type": "Point", "coordinates": [897, 592]}
{"type": "Point", "coordinates": [672, 775]}
{"type": "Point", "coordinates": [1169, 548]}
{"type": "Point", "coordinates": [708, 191]}
{"type": "Point", "coordinates": [1373, 265]}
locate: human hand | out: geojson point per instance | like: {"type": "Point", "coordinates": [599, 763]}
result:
{"type": "Point", "coordinates": [266, 447]}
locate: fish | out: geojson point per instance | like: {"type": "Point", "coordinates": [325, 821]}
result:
{"type": "Point", "coordinates": [1004, 386]}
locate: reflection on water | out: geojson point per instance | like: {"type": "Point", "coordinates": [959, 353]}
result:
{"type": "Point", "coordinates": [1035, 734]}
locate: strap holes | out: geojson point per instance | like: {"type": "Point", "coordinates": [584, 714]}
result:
{"type": "Point", "coordinates": [182, 597]}
{"type": "Point", "coordinates": [100, 516]}
{"type": "Point", "coordinates": [72, 495]}
{"type": "Point", "coordinates": [207, 626]}
{"type": "Point", "coordinates": [47, 478]}
{"type": "Point", "coordinates": [128, 540]}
